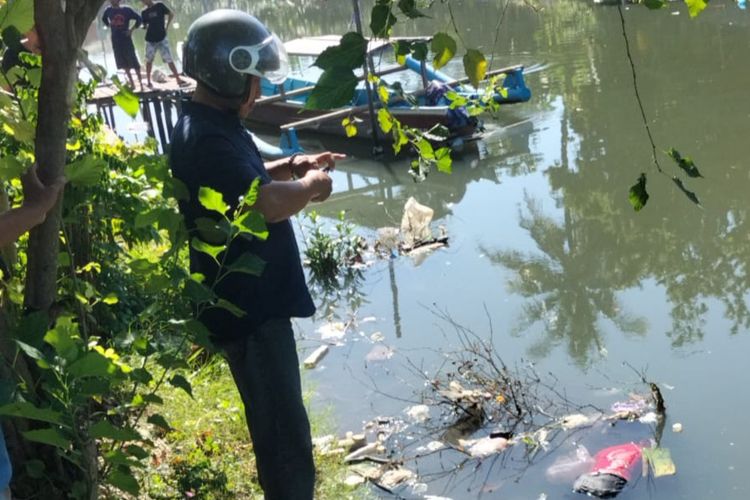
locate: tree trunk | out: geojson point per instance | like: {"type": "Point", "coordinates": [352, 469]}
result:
{"type": "Point", "coordinates": [62, 27]}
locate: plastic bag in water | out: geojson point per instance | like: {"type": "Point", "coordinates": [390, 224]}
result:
{"type": "Point", "coordinates": [568, 467]}
{"type": "Point", "coordinates": [613, 468]}
{"type": "Point", "coordinates": [415, 224]}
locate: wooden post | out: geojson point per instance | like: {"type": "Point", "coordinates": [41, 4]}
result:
{"type": "Point", "coordinates": [168, 115]}
{"type": "Point", "coordinates": [376, 148]}
{"type": "Point", "coordinates": [147, 117]}
{"type": "Point", "coordinates": [110, 108]}
{"type": "Point", "coordinates": [160, 125]}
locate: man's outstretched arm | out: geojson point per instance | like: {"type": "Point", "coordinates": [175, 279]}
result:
{"type": "Point", "coordinates": [38, 200]}
{"type": "Point", "coordinates": [279, 200]}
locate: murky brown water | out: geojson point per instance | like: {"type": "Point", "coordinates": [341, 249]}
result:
{"type": "Point", "coordinates": [543, 237]}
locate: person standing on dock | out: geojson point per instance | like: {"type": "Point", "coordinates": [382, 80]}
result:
{"type": "Point", "coordinates": [119, 18]}
{"type": "Point", "coordinates": [156, 37]}
{"type": "Point", "coordinates": [227, 52]}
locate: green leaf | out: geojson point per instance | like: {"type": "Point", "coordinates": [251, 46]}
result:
{"type": "Point", "coordinates": [475, 66]}
{"type": "Point", "coordinates": [443, 47]}
{"type": "Point", "coordinates": [443, 160]}
{"type": "Point", "coordinates": [110, 299]}
{"type": "Point", "coordinates": [11, 167]}
{"type": "Point", "coordinates": [425, 149]}
{"type": "Point", "coordinates": [382, 20]}
{"type": "Point", "coordinates": [420, 51]}
{"type": "Point", "coordinates": [124, 480]}
{"type": "Point", "coordinates": [199, 333]}
{"type": "Point", "coordinates": [213, 231]}
{"type": "Point", "coordinates": [17, 13]}
{"type": "Point", "coordinates": [685, 163]}
{"type": "Point", "coordinates": [335, 88]}
{"type": "Point", "coordinates": [65, 339]}
{"type": "Point", "coordinates": [232, 308]}
{"type": "Point", "coordinates": [385, 120]}
{"type": "Point", "coordinates": [409, 8]}
{"type": "Point", "coordinates": [93, 364]}
{"type": "Point", "coordinates": [23, 131]}
{"type": "Point", "coordinates": [141, 375]}
{"type": "Point", "coordinates": [212, 200]}
{"type": "Point", "coordinates": [247, 263]}
{"type": "Point", "coordinates": [654, 4]}
{"type": "Point", "coordinates": [153, 399]}
{"type": "Point", "coordinates": [203, 247]}
{"type": "Point", "coordinates": [34, 354]}
{"type": "Point", "coordinates": [50, 436]}
{"type": "Point", "coordinates": [181, 383]}
{"type": "Point", "coordinates": [252, 222]}
{"type": "Point", "coordinates": [125, 98]}
{"type": "Point", "coordinates": [105, 429]}
{"type": "Point", "coordinates": [32, 328]}
{"type": "Point", "coordinates": [399, 137]}
{"type": "Point", "coordinates": [384, 94]}
{"type": "Point", "coordinates": [350, 127]}
{"type": "Point", "coordinates": [137, 452]}
{"type": "Point", "coordinates": [695, 7]}
{"type": "Point", "coordinates": [638, 195]}
{"type": "Point", "coordinates": [349, 53]}
{"type": "Point", "coordinates": [159, 421]}
{"type": "Point", "coordinates": [251, 197]}
{"type": "Point", "coordinates": [401, 49]}
{"type": "Point", "coordinates": [198, 293]}
{"type": "Point", "coordinates": [85, 171]}
{"type": "Point", "coordinates": [691, 195]}
{"type": "Point", "coordinates": [27, 410]}
{"type": "Point", "coordinates": [117, 457]}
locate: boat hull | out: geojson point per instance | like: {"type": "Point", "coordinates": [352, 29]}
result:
{"type": "Point", "coordinates": [280, 113]}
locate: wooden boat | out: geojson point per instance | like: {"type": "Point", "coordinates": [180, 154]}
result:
{"type": "Point", "coordinates": [283, 105]}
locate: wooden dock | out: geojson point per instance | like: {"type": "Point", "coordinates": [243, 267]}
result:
{"type": "Point", "coordinates": [160, 106]}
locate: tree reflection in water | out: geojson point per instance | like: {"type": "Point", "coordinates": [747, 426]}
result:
{"type": "Point", "coordinates": [571, 291]}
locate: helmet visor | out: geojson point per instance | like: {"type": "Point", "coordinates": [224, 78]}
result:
{"type": "Point", "coordinates": [267, 59]}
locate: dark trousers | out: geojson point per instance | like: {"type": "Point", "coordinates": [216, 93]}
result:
{"type": "Point", "coordinates": [265, 368]}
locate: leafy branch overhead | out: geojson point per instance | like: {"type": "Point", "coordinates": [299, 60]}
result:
{"type": "Point", "coordinates": [695, 7]}
{"type": "Point", "coordinates": [638, 195]}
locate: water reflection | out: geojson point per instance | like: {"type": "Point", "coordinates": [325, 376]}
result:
{"type": "Point", "coordinates": [572, 287]}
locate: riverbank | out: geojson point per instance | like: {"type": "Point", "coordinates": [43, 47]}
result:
{"type": "Point", "coordinates": [208, 454]}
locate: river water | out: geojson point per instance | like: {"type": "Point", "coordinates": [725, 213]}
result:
{"type": "Point", "coordinates": [545, 250]}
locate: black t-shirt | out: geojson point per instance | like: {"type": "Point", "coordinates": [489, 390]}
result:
{"type": "Point", "coordinates": [153, 18]}
{"type": "Point", "coordinates": [11, 56]}
{"type": "Point", "coordinates": [211, 148]}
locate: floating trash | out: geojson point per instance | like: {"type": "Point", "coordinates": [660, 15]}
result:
{"type": "Point", "coordinates": [418, 413]}
{"type": "Point", "coordinates": [332, 331]}
{"type": "Point", "coordinates": [660, 460]}
{"type": "Point", "coordinates": [483, 447]}
{"type": "Point", "coordinates": [566, 468]}
{"type": "Point", "coordinates": [379, 352]}
{"type": "Point", "coordinates": [613, 468]}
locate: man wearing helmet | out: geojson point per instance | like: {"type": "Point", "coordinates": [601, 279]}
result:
{"type": "Point", "coordinates": [228, 52]}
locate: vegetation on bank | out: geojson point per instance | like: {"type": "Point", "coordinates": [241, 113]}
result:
{"type": "Point", "coordinates": [208, 453]}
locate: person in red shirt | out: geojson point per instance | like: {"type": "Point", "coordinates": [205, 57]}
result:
{"type": "Point", "coordinates": [118, 19]}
